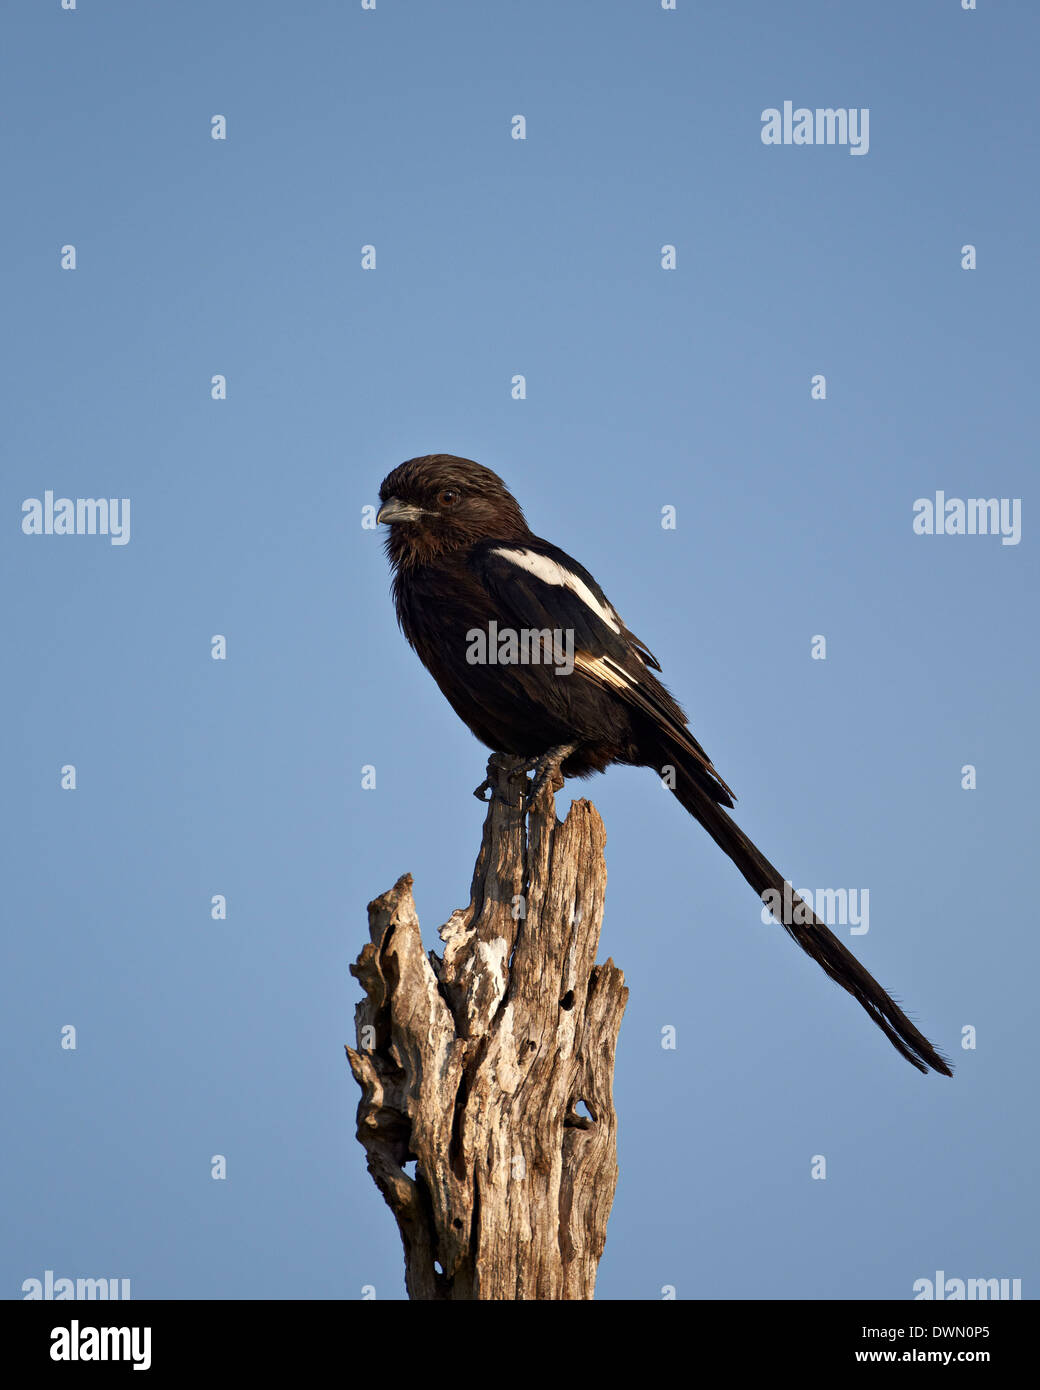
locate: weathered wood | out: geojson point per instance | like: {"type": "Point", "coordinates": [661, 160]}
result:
{"type": "Point", "coordinates": [474, 1063]}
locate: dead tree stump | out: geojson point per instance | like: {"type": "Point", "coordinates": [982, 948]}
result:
{"type": "Point", "coordinates": [475, 1063]}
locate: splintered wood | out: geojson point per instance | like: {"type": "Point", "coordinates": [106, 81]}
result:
{"type": "Point", "coordinates": [492, 1065]}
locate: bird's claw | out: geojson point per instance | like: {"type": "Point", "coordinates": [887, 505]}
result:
{"type": "Point", "coordinates": [544, 767]}
{"type": "Point", "coordinates": [542, 773]}
{"type": "Point", "coordinates": [495, 765]}
{"type": "Point", "coordinates": [488, 786]}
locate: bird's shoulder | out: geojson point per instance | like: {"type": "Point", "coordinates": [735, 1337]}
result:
{"type": "Point", "coordinates": [538, 576]}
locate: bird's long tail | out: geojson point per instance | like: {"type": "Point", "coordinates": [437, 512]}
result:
{"type": "Point", "coordinates": [812, 935]}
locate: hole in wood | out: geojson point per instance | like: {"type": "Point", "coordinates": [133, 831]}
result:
{"type": "Point", "coordinates": [579, 1116]}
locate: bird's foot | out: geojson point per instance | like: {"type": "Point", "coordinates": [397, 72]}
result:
{"type": "Point", "coordinates": [496, 763]}
{"type": "Point", "coordinates": [544, 767]}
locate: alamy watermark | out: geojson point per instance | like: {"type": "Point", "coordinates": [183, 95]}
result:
{"type": "Point", "coordinates": [944, 1289]}
{"type": "Point", "coordinates": [77, 516]}
{"type": "Point", "coordinates": [61, 1288]}
{"type": "Point", "coordinates": [525, 646]}
{"type": "Point", "coordinates": [80, 1342]}
{"type": "Point", "coordinates": [838, 907]}
{"type": "Point", "coordinates": [822, 125]}
{"type": "Point", "coordinates": [974, 516]}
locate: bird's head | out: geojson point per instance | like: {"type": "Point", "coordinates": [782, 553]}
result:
{"type": "Point", "coordinates": [441, 503]}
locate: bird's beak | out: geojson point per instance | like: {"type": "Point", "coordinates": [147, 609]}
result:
{"type": "Point", "coordinates": [393, 509]}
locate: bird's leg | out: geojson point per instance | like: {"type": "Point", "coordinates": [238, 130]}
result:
{"type": "Point", "coordinates": [544, 767]}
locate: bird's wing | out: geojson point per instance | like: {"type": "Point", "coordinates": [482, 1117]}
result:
{"type": "Point", "coordinates": [539, 586]}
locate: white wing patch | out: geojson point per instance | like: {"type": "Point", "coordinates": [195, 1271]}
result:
{"type": "Point", "coordinates": [604, 669]}
{"type": "Point", "coordinates": [551, 572]}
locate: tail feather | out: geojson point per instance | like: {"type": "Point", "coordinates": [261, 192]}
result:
{"type": "Point", "coordinates": [812, 935]}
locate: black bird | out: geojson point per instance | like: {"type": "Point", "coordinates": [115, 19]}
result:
{"type": "Point", "coordinates": [466, 564]}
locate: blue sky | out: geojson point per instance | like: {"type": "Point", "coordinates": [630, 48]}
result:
{"type": "Point", "coordinates": [646, 388]}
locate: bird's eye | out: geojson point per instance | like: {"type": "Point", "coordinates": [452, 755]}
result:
{"type": "Point", "coordinates": [448, 498]}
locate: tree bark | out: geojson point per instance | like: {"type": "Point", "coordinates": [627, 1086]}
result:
{"type": "Point", "coordinates": [474, 1063]}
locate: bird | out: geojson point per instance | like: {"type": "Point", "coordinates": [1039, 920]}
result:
{"type": "Point", "coordinates": [537, 662]}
